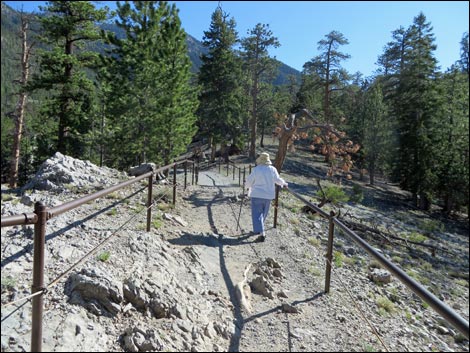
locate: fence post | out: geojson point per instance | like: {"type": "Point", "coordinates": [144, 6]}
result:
{"type": "Point", "coordinates": [38, 276]}
{"type": "Point", "coordinates": [276, 204]}
{"type": "Point", "coordinates": [227, 167]}
{"type": "Point", "coordinates": [192, 173]}
{"type": "Point", "coordinates": [149, 202]}
{"type": "Point", "coordinates": [174, 182]}
{"type": "Point", "coordinates": [185, 173]}
{"type": "Point", "coordinates": [197, 172]}
{"type": "Point", "coordinates": [250, 167]}
{"type": "Point", "coordinates": [233, 177]}
{"type": "Point", "coordinates": [329, 253]}
{"type": "Point", "coordinates": [244, 173]}
{"type": "Point", "coordinates": [239, 176]}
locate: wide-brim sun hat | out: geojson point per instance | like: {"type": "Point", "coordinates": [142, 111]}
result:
{"type": "Point", "coordinates": [263, 158]}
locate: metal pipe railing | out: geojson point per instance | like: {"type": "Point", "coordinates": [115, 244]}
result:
{"type": "Point", "coordinates": [40, 217]}
{"type": "Point", "coordinates": [19, 219]}
{"type": "Point", "coordinates": [57, 210]}
{"type": "Point", "coordinates": [440, 307]}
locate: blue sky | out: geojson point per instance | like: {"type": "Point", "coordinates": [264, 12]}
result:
{"type": "Point", "coordinates": [300, 25]}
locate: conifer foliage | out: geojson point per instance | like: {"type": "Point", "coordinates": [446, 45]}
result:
{"type": "Point", "coordinates": [221, 110]}
{"type": "Point", "coordinates": [408, 123]}
{"type": "Point", "coordinates": [66, 28]}
{"type": "Point", "coordinates": [149, 99]}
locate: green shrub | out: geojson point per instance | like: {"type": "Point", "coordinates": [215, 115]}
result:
{"type": "Point", "coordinates": [8, 282]}
{"type": "Point", "coordinates": [314, 241]}
{"type": "Point", "coordinates": [369, 348]}
{"type": "Point", "coordinates": [7, 197]}
{"type": "Point", "coordinates": [295, 221]}
{"type": "Point", "coordinates": [314, 271]}
{"type": "Point", "coordinates": [104, 256]}
{"type": "Point", "coordinates": [113, 196]}
{"type": "Point", "coordinates": [408, 315]}
{"type": "Point", "coordinates": [431, 225]}
{"type": "Point", "coordinates": [338, 258]}
{"type": "Point", "coordinates": [416, 237]}
{"type": "Point", "coordinates": [157, 221]}
{"type": "Point", "coordinates": [334, 194]}
{"type": "Point", "coordinates": [163, 206]}
{"type": "Point", "coordinates": [385, 304]}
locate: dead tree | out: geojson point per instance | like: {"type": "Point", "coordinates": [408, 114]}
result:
{"type": "Point", "coordinates": [289, 131]}
{"type": "Point", "coordinates": [19, 112]}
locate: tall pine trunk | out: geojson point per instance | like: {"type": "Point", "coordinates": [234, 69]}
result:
{"type": "Point", "coordinates": [371, 172]}
{"type": "Point", "coordinates": [253, 121]}
{"type": "Point", "coordinates": [20, 106]}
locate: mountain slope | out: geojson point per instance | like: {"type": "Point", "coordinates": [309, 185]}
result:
{"type": "Point", "coordinates": [10, 46]}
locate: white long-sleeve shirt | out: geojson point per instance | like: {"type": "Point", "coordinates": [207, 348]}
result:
{"type": "Point", "coordinates": [261, 182]}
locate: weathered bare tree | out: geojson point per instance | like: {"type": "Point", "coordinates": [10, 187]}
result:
{"type": "Point", "coordinates": [19, 112]}
{"type": "Point", "coordinates": [329, 142]}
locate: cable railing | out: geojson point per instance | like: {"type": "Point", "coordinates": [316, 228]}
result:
{"type": "Point", "coordinates": [42, 214]}
{"type": "Point", "coordinates": [439, 306]}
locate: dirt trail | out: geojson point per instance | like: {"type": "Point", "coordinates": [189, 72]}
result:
{"type": "Point", "coordinates": [270, 326]}
{"type": "Point", "coordinates": [296, 315]}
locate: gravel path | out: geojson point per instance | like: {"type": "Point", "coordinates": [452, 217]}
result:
{"type": "Point", "coordinates": [299, 316]}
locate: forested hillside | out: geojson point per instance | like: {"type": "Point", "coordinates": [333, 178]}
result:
{"type": "Point", "coordinates": [143, 90]}
{"type": "Point", "coordinates": [10, 48]}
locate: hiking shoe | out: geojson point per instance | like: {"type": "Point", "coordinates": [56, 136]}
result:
{"type": "Point", "coordinates": [260, 239]}
{"type": "Point", "coordinates": [251, 233]}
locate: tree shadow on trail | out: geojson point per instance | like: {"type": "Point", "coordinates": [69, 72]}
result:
{"type": "Point", "coordinates": [279, 307]}
{"type": "Point", "coordinates": [211, 240]}
{"type": "Point", "coordinates": [218, 240]}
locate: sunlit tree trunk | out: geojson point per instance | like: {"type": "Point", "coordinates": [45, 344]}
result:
{"type": "Point", "coordinates": [18, 114]}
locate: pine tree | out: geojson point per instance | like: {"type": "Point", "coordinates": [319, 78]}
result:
{"type": "Point", "coordinates": [464, 61]}
{"type": "Point", "coordinates": [327, 66]}
{"type": "Point", "coordinates": [416, 109]}
{"type": "Point", "coordinates": [180, 100]}
{"type": "Point", "coordinates": [150, 102]}
{"type": "Point", "coordinates": [67, 26]}
{"type": "Point", "coordinates": [260, 67]}
{"type": "Point", "coordinates": [377, 140]}
{"type": "Point", "coordinates": [221, 108]}
{"type": "Point", "coordinates": [453, 143]}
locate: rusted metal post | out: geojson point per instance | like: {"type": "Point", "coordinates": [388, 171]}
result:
{"type": "Point", "coordinates": [38, 276]}
{"type": "Point", "coordinates": [220, 163]}
{"type": "Point", "coordinates": [329, 253]}
{"type": "Point", "coordinates": [233, 177]}
{"type": "Point", "coordinates": [197, 172]}
{"type": "Point", "coordinates": [228, 165]}
{"type": "Point", "coordinates": [149, 202]}
{"type": "Point", "coordinates": [250, 167]}
{"type": "Point", "coordinates": [192, 174]}
{"type": "Point", "coordinates": [174, 182]}
{"type": "Point", "coordinates": [276, 204]}
{"type": "Point", "coordinates": [239, 176]}
{"type": "Point", "coordinates": [244, 173]}
{"type": "Point", "coordinates": [185, 174]}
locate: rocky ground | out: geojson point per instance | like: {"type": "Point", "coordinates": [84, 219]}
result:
{"type": "Point", "coordinates": [197, 282]}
